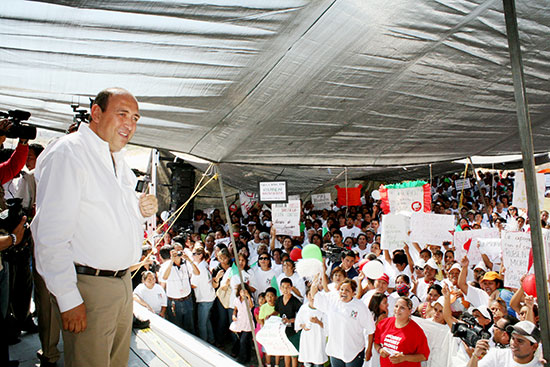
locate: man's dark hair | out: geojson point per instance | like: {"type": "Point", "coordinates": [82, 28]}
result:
{"type": "Point", "coordinates": [164, 252]}
{"type": "Point", "coordinates": [287, 281]}
{"type": "Point", "coordinates": [36, 148]}
{"type": "Point", "coordinates": [405, 278]}
{"type": "Point", "coordinates": [510, 320]}
{"type": "Point", "coordinates": [102, 99]}
{"type": "Point", "coordinates": [427, 251]}
{"type": "Point", "coordinates": [337, 231]}
{"type": "Point", "coordinates": [400, 258]}
{"type": "Point", "coordinates": [347, 253]}
{"type": "Point", "coordinates": [271, 290]}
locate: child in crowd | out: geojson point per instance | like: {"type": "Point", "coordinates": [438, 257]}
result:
{"type": "Point", "coordinates": [261, 301]}
{"type": "Point", "coordinates": [241, 324]}
{"type": "Point", "coordinates": [313, 337]}
{"type": "Point", "coordinates": [266, 310]}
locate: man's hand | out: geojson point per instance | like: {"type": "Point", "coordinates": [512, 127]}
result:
{"type": "Point", "coordinates": [148, 205]}
{"type": "Point", "coordinates": [482, 347]}
{"type": "Point", "coordinates": [74, 320]}
{"type": "Point", "coordinates": [4, 126]}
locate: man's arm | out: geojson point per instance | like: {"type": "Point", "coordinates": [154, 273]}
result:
{"type": "Point", "coordinates": [10, 168]}
{"type": "Point", "coordinates": [463, 275]}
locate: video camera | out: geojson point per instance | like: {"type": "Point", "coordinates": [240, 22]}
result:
{"type": "Point", "coordinates": [333, 252]}
{"type": "Point", "coordinates": [80, 115]}
{"type": "Point", "coordinates": [18, 129]}
{"type": "Point", "coordinates": [9, 219]}
{"type": "Point", "coordinates": [469, 331]}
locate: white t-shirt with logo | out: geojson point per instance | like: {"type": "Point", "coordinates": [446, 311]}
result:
{"type": "Point", "coordinates": [154, 297]}
{"type": "Point", "coordinates": [503, 358]}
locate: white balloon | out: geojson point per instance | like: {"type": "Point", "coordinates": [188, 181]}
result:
{"type": "Point", "coordinates": [373, 269]}
{"type": "Point", "coordinates": [375, 195]}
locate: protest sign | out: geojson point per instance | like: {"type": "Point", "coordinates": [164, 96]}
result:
{"type": "Point", "coordinates": [293, 197]}
{"type": "Point", "coordinates": [273, 191]}
{"type": "Point", "coordinates": [461, 184]}
{"type": "Point", "coordinates": [395, 231]}
{"type": "Point", "coordinates": [408, 196]}
{"type": "Point", "coordinates": [465, 242]}
{"type": "Point", "coordinates": [286, 218]}
{"type": "Point", "coordinates": [520, 194]}
{"type": "Point", "coordinates": [515, 253]}
{"type": "Point", "coordinates": [226, 241]}
{"type": "Point", "coordinates": [321, 201]}
{"type": "Point", "coordinates": [273, 337]}
{"type": "Point", "coordinates": [492, 247]}
{"type": "Point", "coordinates": [433, 229]}
{"type": "Point", "coordinates": [248, 201]}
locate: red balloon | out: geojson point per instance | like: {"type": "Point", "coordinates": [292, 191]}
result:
{"type": "Point", "coordinates": [529, 285]}
{"type": "Point", "coordinates": [362, 263]}
{"type": "Point", "coordinates": [296, 254]}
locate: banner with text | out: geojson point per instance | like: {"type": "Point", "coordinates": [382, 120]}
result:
{"type": "Point", "coordinates": [466, 242]}
{"type": "Point", "coordinates": [248, 201]}
{"type": "Point", "coordinates": [395, 231]}
{"type": "Point", "coordinates": [286, 218]}
{"type": "Point", "coordinates": [410, 199]}
{"type": "Point", "coordinates": [515, 253]}
{"type": "Point", "coordinates": [520, 194]}
{"type": "Point", "coordinates": [492, 247]}
{"type": "Point", "coordinates": [433, 229]}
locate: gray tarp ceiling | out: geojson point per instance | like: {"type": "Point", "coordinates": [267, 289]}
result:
{"type": "Point", "coordinates": [264, 86]}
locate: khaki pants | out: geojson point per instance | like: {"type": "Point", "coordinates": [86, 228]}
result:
{"type": "Point", "coordinates": [106, 340]}
{"type": "Point", "coordinates": [48, 321]}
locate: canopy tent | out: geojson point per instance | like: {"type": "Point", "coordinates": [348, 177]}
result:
{"type": "Point", "coordinates": [289, 89]}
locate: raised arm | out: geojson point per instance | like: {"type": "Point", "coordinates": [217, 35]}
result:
{"type": "Point", "coordinates": [463, 275]}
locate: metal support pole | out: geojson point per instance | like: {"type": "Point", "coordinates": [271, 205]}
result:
{"type": "Point", "coordinates": [527, 151]}
{"type": "Point", "coordinates": [234, 245]}
{"type": "Point", "coordinates": [489, 218]}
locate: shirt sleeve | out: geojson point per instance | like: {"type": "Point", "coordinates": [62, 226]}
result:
{"type": "Point", "coordinates": [54, 223]}
{"type": "Point", "coordinates": [15, 164]}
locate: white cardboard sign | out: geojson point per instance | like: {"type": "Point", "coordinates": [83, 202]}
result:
{"type": "Point", "coordinates": [321, 201]}
{"type": "Point", "coordinates": [273, 191]}
{"type": "Point", "coordinates": [492, 247]}
{"type": "Point", "coordinates": [465, 239]}
{"type": "Point", "coordinates": [433, 229]}
{"type": "Point", "coordinates": [462, 184]}
{"type": "Point", "coordinates": [520, 194]}
{"type": "Point", "coordinates": [286, 218]}
{"type": "Point", "coordinates": [273, 337]}
{"type": "Point", "coordinates": [409, 199]}
{"type": "Point", "coordinates": [515, 253]}
{"type": "Point", "coordinates": [395, 231]}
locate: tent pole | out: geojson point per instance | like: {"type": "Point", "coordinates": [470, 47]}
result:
{"type": "Point", "coordinates": [234, 246]}
{"type": "Point", "coordinates": [526, 137]}
{"type": "Point", "coordinates": [346, 177]}
{"type": "Point", "coordinates": [489, 218]}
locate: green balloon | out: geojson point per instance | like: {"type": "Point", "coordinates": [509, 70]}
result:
{"type": "Point", "coordinates": [312, 251]}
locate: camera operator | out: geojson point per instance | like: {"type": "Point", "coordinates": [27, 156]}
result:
{"type": "Point", "coordinates": [524, 342]}
{"type": "Point", "coordinates": [501, 335]}
{"type": "Point", "coordinates": [10, 168]}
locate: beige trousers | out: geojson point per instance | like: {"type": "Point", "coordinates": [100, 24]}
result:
{"type": "Point", "coordinates": [106, 340]}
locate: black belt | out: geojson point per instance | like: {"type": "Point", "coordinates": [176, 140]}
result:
{"type": "Point", "coordinates": [180, 299]}
{"type": "Point", "coordinates": [86, 270]}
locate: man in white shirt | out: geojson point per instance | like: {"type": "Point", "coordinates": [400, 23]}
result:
{"type": "Point", "coordinates": [350, 230]}
{"type": "Point", "coordinates": [88, 230]}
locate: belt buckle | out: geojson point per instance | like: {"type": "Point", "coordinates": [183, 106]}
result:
{"type": "Point", "coordinates": [97, 272]}
{"type": "Point", "coordinates": [116, 272]}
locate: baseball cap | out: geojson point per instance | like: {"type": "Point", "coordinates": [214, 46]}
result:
{"type": "Point", "coordinates": [455, 266]}
{"type": "Point", "coordinates": [526, 329]}
{"type": "Point", "coordinates": [431, 263]}
{"type": "Point", "coordinates": [420, 264]}
{"type": "Point", "coordinates": [264, 235]}
{"type": "Point", "coordinates": [491, 275]}
{"type": "Point", "coordinates": [385, 278]}
{"type": "Point", "coordinates": [481, 265]}
{"type": "Point", "coordinates": [440, 300]}
{"type": "Point", "coordinates": [484, 310]}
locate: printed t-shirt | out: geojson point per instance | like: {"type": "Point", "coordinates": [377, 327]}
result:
{"type": "Point", "coordinates": [407, 340]}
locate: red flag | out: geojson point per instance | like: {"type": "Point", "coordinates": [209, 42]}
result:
{"type": "Point", "coordinates": [467, 245]}
{"type": "Point", "coordinates": [530, 260]}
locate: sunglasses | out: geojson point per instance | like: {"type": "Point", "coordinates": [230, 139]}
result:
{"type": "Point", "coordinates": [264, 258]}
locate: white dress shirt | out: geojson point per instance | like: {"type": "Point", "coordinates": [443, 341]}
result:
{"type": "Point", "coordinates": [87, 213]}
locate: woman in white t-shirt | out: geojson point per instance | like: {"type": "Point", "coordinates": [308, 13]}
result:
{"type": "Point", "coordinates": [151, 295]}
{"type": "Point", "coordinates": [204, 294]}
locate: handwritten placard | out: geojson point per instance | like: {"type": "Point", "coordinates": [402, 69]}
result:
{"type": "Point", "coordinates": [273, 191]}
{"type": "Point", "coordinates": [321, 201]}
{"type": "Point", "coordinates": [273, 337]}
{"type": "Point", "coordinates": [466, 242]}
{"type": "Point", "coordinates": [462, 183]}
{"type": "Point", "coordinates": [515, 253]}
{"type": "Point", "coordinates": [432, 229]}
{"type": "Point", "coordinates": [395, 231]}
{"type": "Point", "coordinates": [492, 247]}
{"type": "Point", "coordinates": [520, 193]}
{"type": "Point", "coordinates": [286, 218]}
{"type": "Point", "coordinates": [409, 199]}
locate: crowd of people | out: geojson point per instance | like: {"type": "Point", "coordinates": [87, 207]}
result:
{"type": "Point", "coordinates": [344, 316]}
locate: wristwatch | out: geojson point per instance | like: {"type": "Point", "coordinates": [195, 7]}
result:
{"type": "Point", "coordinates": [13, 239]}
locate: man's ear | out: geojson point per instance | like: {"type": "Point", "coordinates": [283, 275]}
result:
{"type": "Point", "coordinates": [96, 113]}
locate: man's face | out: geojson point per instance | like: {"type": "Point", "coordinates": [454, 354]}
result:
{"type": "Point", "coordinates": [31, 160]}
{"type": "Point", "coordinates": [500, 334]}
{"type": "Point", "coordinates": [337, 238]}
{"type": "Point", "coordinates": [521, 347]}
{"type": "Point", "coordinates": [349, 223]}
{"type": "Point", "coordinates": [429, 273]}
{"type": "Point", "coordinates": [347, 262]}
{"type": "Point", "coordinates": [117, 124]}
{"type": "Point", "coordinates": [286, 289]}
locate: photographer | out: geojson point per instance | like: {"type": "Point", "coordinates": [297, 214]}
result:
{"type": "Point", "coordinates": [10, 168]}
{"type": "Point", "coordinates": [522, 352]}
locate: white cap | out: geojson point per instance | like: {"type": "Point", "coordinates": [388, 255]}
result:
{"type": "Point", "coordinates": [455, 266]}
{"type": "Point", "coordinates": [481, 265]}
{"type": "Point", "coordinates": [431, 263]}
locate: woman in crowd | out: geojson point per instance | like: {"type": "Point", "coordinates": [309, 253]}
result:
{"type": "Point", "coordinates": [425, 309]}
{"type": "Point", "coordinates": [219, 310]}
{"type": "Point", "coordinates": [204, 294]}
{"type": "Point", "coordinates": [399, 339]}
{"type": "Point", "coordinates": [313, 337]}
{"type": "Point", "coordinates": [241, 325]}
{"type": "Point", "coordinates": [263, 274]}
{"type": "Point", "coordinates": [151, 295]}
{"type": "Point", "coordinates": [348, 321]}
{"type": "Point", "coordinates": [298, 284]}
{"type": "Point", "coordinates": [378, 306]}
